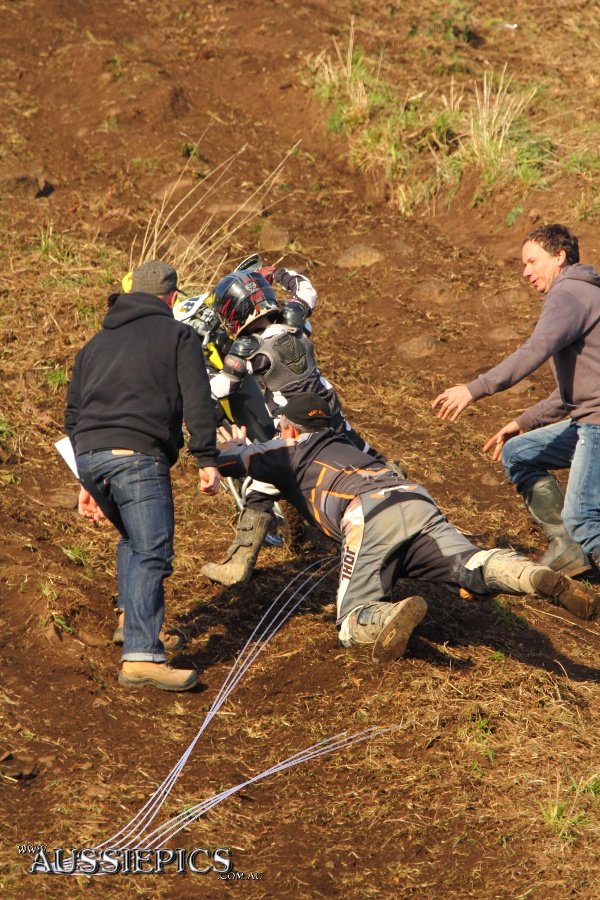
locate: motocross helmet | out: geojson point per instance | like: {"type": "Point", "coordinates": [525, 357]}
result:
{"type": "Point", "coordinates": [242, 297]}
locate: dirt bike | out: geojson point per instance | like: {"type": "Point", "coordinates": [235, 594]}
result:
{"type": "Point", "coordinates": [246, 407]}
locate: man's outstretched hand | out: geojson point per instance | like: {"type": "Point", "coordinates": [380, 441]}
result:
{"type": "Point", "coordinates": [453, 400]}
{"type": "Point", "coordinates": [498, 440]}
{"type": "Point", "coordinates": [231, 432]}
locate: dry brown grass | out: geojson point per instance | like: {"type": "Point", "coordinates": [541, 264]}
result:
{"type": "Point", "coordinates": [200, 258]}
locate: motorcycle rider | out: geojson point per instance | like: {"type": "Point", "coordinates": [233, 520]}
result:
{"type": "Point", "coordinates": [389, 527]}
{"type": "Point", "coordinates": [273, 345]}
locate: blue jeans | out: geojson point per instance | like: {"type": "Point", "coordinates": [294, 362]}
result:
{"type": "Point", "coordinates": [134, 492]}
{"type": "Point", "coordinates": [568, 444]}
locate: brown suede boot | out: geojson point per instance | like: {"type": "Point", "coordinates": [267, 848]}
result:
{"type": "Point", "coordinates": [238, 565]}
{"type": "Point", "coordinates": [136, 673]}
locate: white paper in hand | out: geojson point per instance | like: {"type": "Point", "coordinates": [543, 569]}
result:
{"type": "Point", "coordinates": [65, 448]}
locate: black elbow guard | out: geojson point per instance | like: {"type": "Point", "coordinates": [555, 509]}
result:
{"type": "Point", "coordinates": [235, 365]}
{"type": "Point", "coordinates": [295, 314]}
{"type": "Point", "coordinates": [241, 350]}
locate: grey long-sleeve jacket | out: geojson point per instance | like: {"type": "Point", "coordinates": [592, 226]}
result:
{"type": "Point", "coordinates": [568, 333]}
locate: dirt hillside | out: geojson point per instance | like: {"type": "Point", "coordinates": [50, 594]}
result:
{"type": "Point", "coordinates": [487, 784]}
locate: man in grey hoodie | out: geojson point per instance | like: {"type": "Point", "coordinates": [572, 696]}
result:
{"type": "Point", "coordinates": [563, 430]}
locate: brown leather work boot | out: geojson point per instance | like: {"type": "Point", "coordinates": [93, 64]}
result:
{"type": "Point", "coordinates": [577, 597]}
{"type": "Point", "coordinates": [137, 673]}
{"type": "Point", "coordinates": [507, 572]}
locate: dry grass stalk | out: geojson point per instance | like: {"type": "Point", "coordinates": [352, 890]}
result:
{"type": "Point", "coordinates": [199, 259]}
{"type": "Point", "coordinates": [494, 115]}
{"type": "Point", "coordinates": [344, 75]}
{"type": "Point", "coordinates": [355, 87]}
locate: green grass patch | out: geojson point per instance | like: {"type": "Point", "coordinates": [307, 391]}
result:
{"type": "Point", "coordinates": [116, 67]}
{"type": "Point", "coordinates": [477, 728]}
{"type": "Point", "coordinates": [586, 207]}
{"type": "Point", "coordinates": [110, 124]}
{"type": "Point", "coordinates": [56, 248]}
{"type": "Point", "coordinates": [60, 621]}
{"type": "Point", "coordinates": [56, 378]}
{"type": "Point", "coordinates": [77, 554]}
{"type": "Point", "coordinates": [592, 786]}
{"type": "Point", "coordinates": [424, 144]}
{"type": "Point", "coordinates": [513, 215]}
{"type": "Point", "coordinates": [562, 819]}
{"type": "Point", "coordinates": [7, 436]}
{"type": "Point", "coordinates": [507, 616]}
{"type": "Point", "coordinates": [48, 591]}
{"type": "Point", "coordinates": [583, 162]}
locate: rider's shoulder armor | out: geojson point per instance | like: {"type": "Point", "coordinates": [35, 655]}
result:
{"type": "Point", "coordinates": [294, 314]}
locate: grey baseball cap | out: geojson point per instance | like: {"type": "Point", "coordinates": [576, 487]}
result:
{"type": "Point", "coordinates": [154, 277]}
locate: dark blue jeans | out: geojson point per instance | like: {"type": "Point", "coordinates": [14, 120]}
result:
{"type": "Point", "coordinates": [134, 492]}
{"type": "Point", "coordinates": [567, 444]}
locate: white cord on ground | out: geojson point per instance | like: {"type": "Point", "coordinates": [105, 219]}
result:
{"type": "Point", "coordinates": [132, 833]}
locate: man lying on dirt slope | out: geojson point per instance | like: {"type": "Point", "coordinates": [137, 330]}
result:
{"type": "Point", "coordinates": [388, 527]}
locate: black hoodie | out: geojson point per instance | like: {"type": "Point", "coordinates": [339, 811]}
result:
{"type": "Point", "coordinates": [134, 382]}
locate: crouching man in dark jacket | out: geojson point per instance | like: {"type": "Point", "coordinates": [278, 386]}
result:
{"type": "Point", "coordinates": [132, 384]}
{"type": "Point", "coordinates": [388, 528]}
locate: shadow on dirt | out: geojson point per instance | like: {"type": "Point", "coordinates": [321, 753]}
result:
{"type": "Point", "coordinates": [451, 622]}
{"type": "Point", "coordinates": [494, 623]}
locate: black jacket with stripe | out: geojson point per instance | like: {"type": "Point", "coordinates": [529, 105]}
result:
{"type": "Point", "coordinates": [319, 473]}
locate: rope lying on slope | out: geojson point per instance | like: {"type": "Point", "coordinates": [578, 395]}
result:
{"type": "Point", "coordinates": [270, 623]}
{"type": "Point", "coordinates": [137, 832]}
